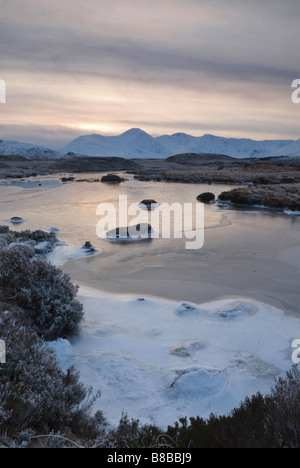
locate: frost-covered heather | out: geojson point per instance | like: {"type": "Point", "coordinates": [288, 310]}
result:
{"type": "Point", "coordinates": [182, 170]}
{"type": "Point", "coordinates": [34, 392]}
{"type": "Point", "coordinates": [44, 292]}
{"type": "Point", "coordinates": [37, 302]}
{"type": "Point", "coordinates": [274, 196]}
{"type": "Point", "coordinates": [40, 241]}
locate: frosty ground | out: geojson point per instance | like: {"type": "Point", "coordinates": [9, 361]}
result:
{"type": "Point", "coordinates": [158, 360]}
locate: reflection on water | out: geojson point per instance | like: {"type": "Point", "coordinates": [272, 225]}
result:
{"type": "Point", "coordinates": [246, 253]}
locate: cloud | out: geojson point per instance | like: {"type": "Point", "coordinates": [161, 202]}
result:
{"type": "Point", "coordinates": [106, 62]}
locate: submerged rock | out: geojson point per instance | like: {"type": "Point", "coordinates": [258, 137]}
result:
{"type": "Point", "coordinates": [17, 220]}
{"type": "Point", "coordinates": [206, 197]}
{"type": "Point", "coordinates": [188, 349]}
{"type": "Point", "coordinates": [53, 229]}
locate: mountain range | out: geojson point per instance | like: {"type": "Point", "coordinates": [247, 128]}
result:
{"type": "Point", "coordinates": [136, 143]}
{"type": "Point", "coordinates": [27, 150]}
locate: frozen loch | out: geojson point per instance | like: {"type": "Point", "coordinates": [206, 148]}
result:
{"type": "Point", "coordinates": [157, 360]}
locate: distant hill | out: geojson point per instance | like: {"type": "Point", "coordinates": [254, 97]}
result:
{"type": "Point", "coordinates": [15, 148]}
{"type": "Point", "coordinates": [194, 158]}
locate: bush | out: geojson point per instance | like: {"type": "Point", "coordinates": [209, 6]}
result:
{"type": "Point", "coordinates": [43, 291]}
{"type": "Point", "coordinates": [271, 421]}
{"type": "Point", "coordinates": [34, 393]}
{"type": "Point", "coordinates": [283, 418]}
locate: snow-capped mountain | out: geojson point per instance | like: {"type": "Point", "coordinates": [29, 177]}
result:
{"type": "Point", "coordinates": [8, 148]}
{"type": "Point", "coordinates": [136, 143]}
{"type": "Point", "coordinates": [177, 143]}
{"type": "Point", "coordinates": [238, 148]}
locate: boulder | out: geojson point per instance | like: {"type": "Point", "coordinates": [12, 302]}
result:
{"type": "Point", "coordinates": [64, 180]}
{"type": "Point", "coordinates": [144, 228]}
{"type": "Point", "coordinates": [148, 203]}
{"type": "Point", "coordinates": [17, 220]}
{"type": "Point", "coordinates": [206, 197]}
{"type": "Point", "coordinates": [140, 231]}
{"type": "Point", "coordinates": [112, 178]}
{"type": "Point", "coordinates": [89, 247]}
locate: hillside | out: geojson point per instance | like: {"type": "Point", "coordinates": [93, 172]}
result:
{"type": "Point", "coordinates": [27, 150]}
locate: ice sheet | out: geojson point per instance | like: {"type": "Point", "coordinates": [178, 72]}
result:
{"type": "Point", "coordinates": [158, 360]}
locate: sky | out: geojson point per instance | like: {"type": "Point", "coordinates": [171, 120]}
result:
{"type": "Point", "coordinates": [96, 66]}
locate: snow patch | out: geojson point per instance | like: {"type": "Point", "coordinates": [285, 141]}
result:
{"type": "Point", "coordinates": [64, 352]}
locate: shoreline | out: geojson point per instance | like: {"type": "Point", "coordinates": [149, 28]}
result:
{"type": "Point", "coordinates": [271, 182]}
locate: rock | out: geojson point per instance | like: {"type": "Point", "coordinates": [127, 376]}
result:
{"type": "Point", "coordinates": [138, 232]}
{"type": "Point", "coordinates": [17, 220]}
{"type": "Point", "coordinates": [206, 197]}
{"type": "Point", "coordinates": [89, 181]}
{"type": "Point", "coordinates": [64, 180]}
{"type": "Point", "coordinates": [53, 229]}
{"type": "Point", "coordinates": [89, 247]}
{"type": "Point", "coordinates": [112, 178]}
{"type": "Point", "coordinates": [186, 309]}
{"type": "Point", "coordinates": [144, 228]}
{"type": "Point", "coordinates": [180, 352]}
{"type": "Point", "coordinates": [222, 205]}
{"type": "Point", "coordinates": [187, 350]}
{"type": "Point", "coordinates": [149, 203]}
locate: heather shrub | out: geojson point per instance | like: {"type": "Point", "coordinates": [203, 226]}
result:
{"type": "Point", "coordinates": [43, 291]}
{"type": "Point", "coordinates": [35, 393]}
{"type": "Point", "coordinates": [283, 418]}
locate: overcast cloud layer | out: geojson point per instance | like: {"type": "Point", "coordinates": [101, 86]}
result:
{"type": "Point", "coordinates": [166, 66]}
